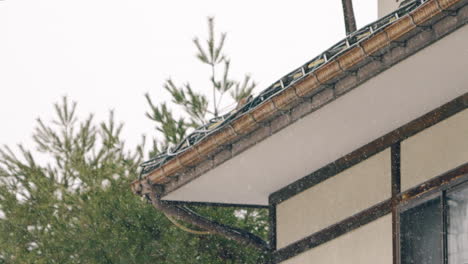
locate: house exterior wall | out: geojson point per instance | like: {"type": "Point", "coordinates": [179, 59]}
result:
{"type": "Point", "coordinates": [434, 151]}
{"type": "Point", "coordinates": [334, 199]}
{"type": "Point", "coordinates": [351, 215]}
{"type": "Point", "coordinates": [336, 220]}
{"type": "Point", "coordinates": [369, 244]}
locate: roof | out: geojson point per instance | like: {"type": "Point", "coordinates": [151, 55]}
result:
{"type": "Point", "coordinates": [308, 81]}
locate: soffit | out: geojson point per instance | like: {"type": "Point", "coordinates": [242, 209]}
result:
{"type": "Point", "coordinates": [391, 99]}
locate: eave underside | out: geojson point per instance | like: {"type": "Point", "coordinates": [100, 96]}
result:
{"type": "Point", "coordinates": [389, 100]}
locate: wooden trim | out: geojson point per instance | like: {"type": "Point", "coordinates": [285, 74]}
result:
{"type": "Point", "coordinates": [444, 244]}
{"type": "Point", "coordinates": [172, 202]}
{"type": "Point", "coordinates": [439, 114]}
{"type": "Point", "coordinates": [272, 227]}
{"type": "Point", "coordinates": [439, 183]}
{"type": "Point", "coordinates": [332, 232]}
{"type": "Point", "coordinates": [396, 164]}
{"type": "Point", "coordinates": [396, 189]}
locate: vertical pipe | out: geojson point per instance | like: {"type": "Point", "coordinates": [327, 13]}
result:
{"type": "Point", "coordinates": [350, 20]}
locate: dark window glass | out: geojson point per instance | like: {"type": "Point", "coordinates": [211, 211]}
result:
{"type": "Point", "coordinates": [457, 229]}
{"type": "Point", "coordinates": [421, 234]}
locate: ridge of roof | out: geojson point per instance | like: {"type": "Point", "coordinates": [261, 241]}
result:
{"type": "Point", "coordinates": [299, 84]}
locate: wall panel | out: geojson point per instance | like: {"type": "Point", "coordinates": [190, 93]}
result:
{"type": "Point", "coordinates": [368, 244]}
{"type": "Point", "coordinates": [435, 150]}
{"type": "Point", "coordinates": [385, 7]}
{"type": "Point", "coordinates": [334, 199]}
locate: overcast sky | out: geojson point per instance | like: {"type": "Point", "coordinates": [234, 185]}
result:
{"type": "Point", "coordinates": [105, 54]}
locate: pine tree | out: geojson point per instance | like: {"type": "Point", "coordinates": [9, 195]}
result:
{"type": "Point", "coordinates": [77, 206]}
{"type": "Point", "coordinates": [197, 112]}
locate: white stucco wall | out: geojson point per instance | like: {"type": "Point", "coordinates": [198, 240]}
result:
{"type": "Point", "coordinates": [435, 150]}
{"type": "Point", "coordinates": [335, 199]}
{"type": "Point", "coordinates": [369, 244]}
{"type": "Point", "coordinates": [385, 7]}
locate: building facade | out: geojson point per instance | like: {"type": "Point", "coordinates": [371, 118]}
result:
{"type": "Point", "coordinates": [362, 160]}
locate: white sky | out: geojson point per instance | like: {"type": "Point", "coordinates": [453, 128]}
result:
{"type": "Point", "coordinates": [105, 54]}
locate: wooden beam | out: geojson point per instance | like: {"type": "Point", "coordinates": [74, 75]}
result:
{"type": "Point", "coordinates": [396, 189]}
{"type": "Point", "coordinates": [186, 215]}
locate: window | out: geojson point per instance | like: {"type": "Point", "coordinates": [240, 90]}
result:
{"type": "Point", "coordinates": [457, 230]}
{"type": "Point", "coordinates": [421, 233]}
{"type": "Point", "coordinates": [435, 229]}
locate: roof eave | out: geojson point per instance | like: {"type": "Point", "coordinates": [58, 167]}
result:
{"type": "Point", "coordinates": [307, 87]}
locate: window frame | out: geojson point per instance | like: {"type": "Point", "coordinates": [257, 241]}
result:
{"type": "Point", "coordinates": [438, 192]}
